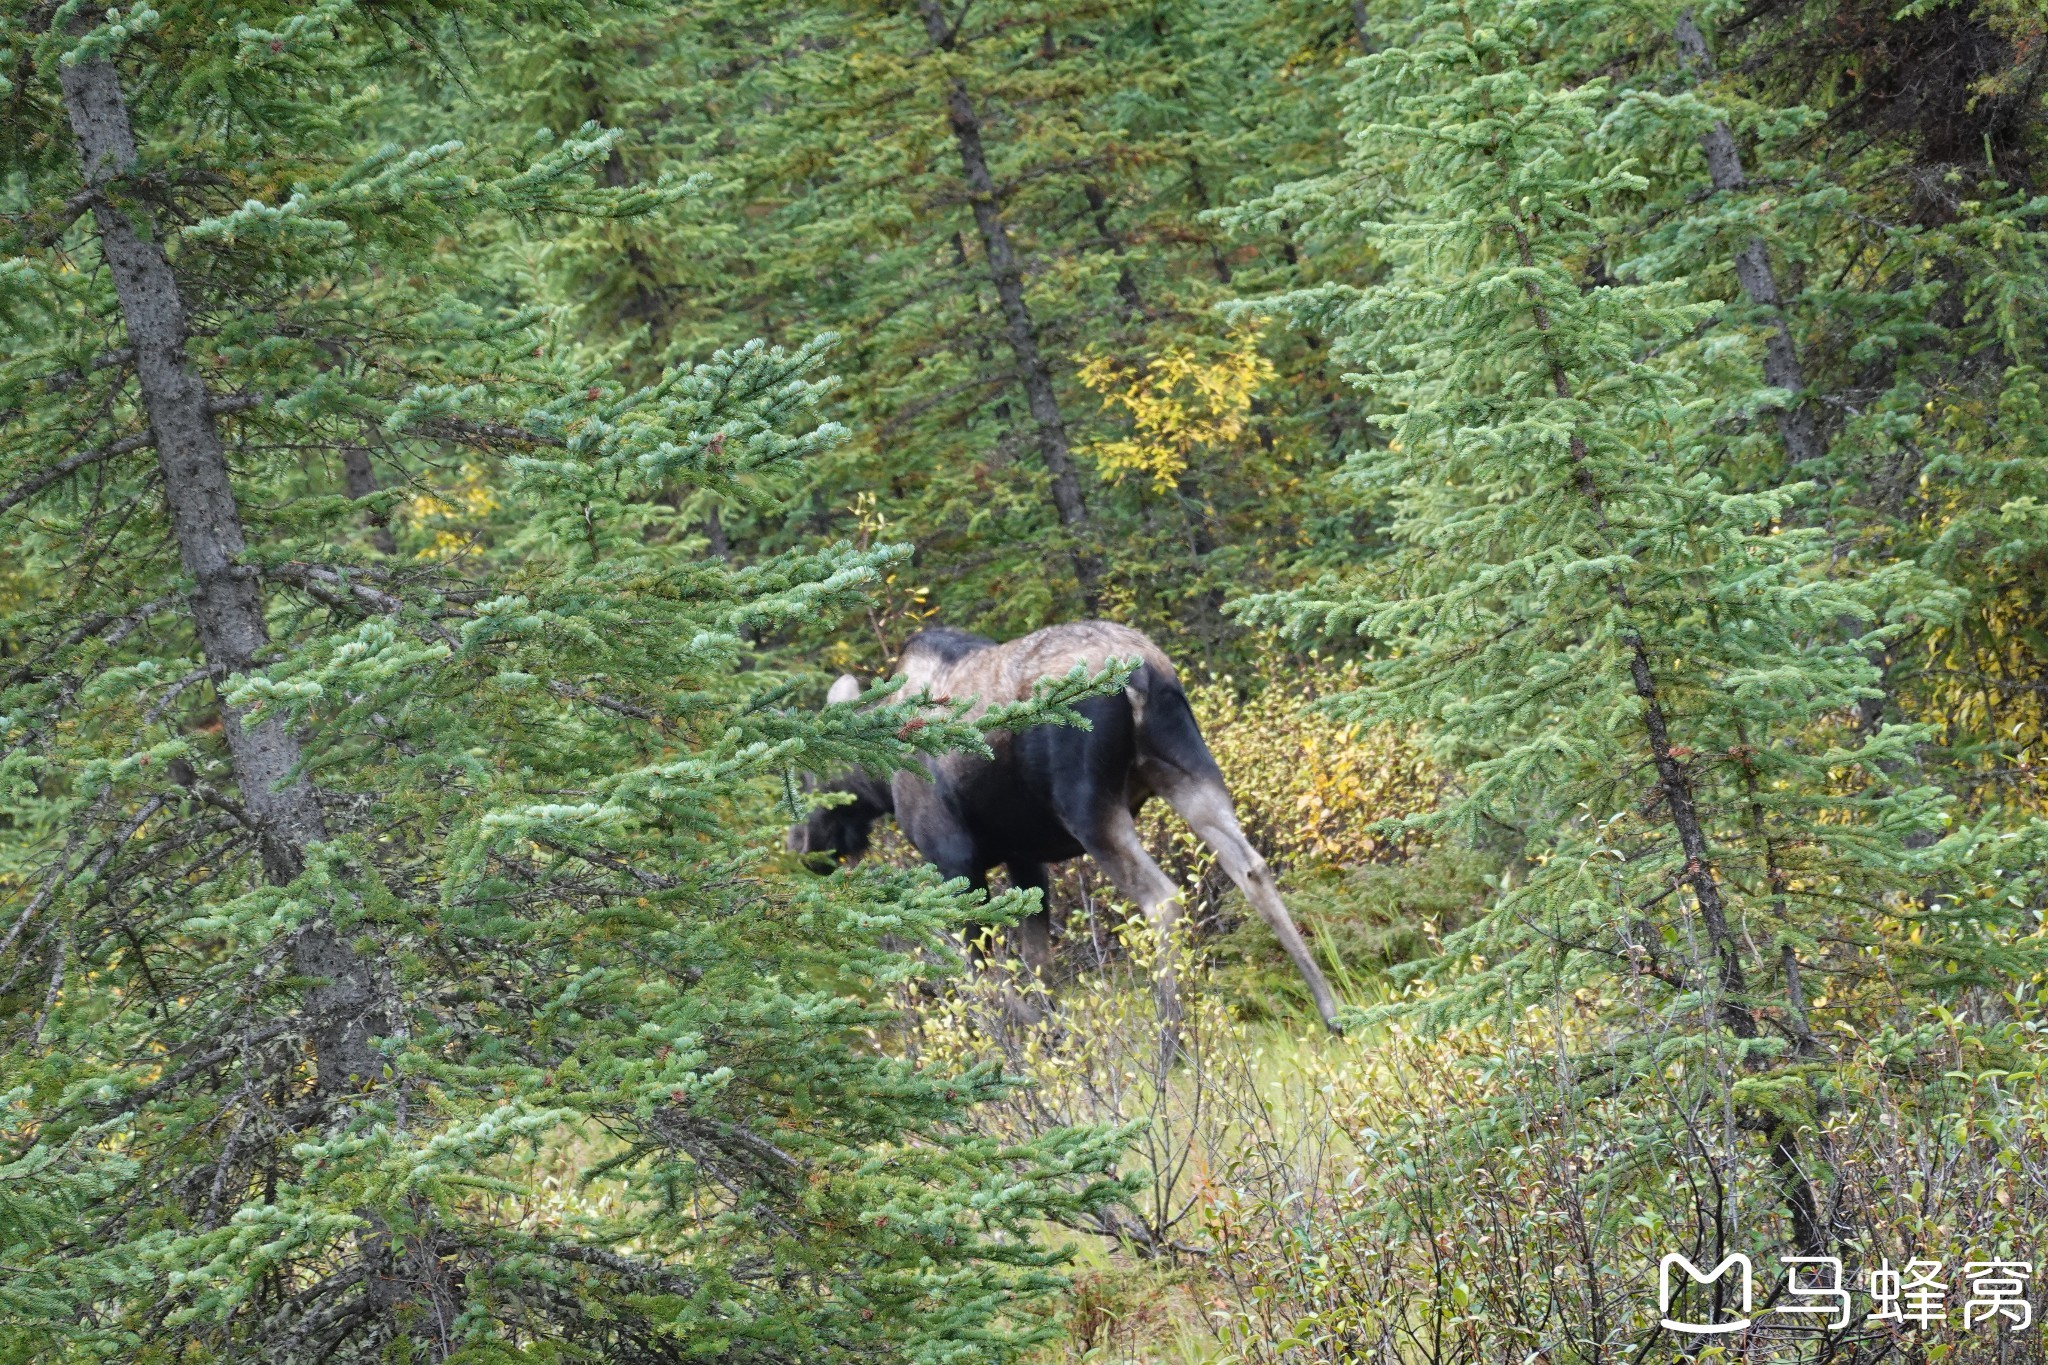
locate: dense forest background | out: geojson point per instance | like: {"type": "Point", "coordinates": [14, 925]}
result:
{"type": "Point", "coordinates": [1590, 461]}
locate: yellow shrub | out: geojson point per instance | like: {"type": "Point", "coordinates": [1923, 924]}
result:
{"type": "Point", "coordinates": [454, 515]}
{"type": "Point", "coordinates": [1309, 788]}
{"type": "Point", "coordinates": [1178, 402]}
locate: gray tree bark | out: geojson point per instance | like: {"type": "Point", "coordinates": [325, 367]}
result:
{"type": "Point", "coordinates": [1782, 370]}
{"type": "Point", "coordinates": [362, 481]}
{"type": "Point", "coordinates": [1361, 28]}
{"type": "Point", "coordinates": [341, 1006]}
{"type": "Point", "coordinates": [1008, 277]}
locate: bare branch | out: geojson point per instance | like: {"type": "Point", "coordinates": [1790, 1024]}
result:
{"type": "Point", "coordinates": [317, 580]}
{"type": "Point", "coordinates": [131, 1103]}
{"type": "Point", "coordinates": [63, 469]}
{"type": "Point", "coordinates": [141, 440]}
{"type": "Point", "coordinates": [624, 708]}
{"type": "Point", "coordinates": [606, 860]}
{"type": "Point", "coordinates": [484, 434]}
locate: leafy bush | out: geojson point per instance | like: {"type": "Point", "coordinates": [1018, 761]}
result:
{"type": "Point", "coordinates": [1360, 921]}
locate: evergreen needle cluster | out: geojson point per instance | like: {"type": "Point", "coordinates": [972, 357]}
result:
{"type": "Point", "coordinates": [1646, 673]}
{"type": "Point", "coordinates": [395, 966]}
{"type": "Point", "coordinates": [443, 443]}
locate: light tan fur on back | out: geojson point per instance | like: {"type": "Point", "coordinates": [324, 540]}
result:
{"type": "Point", "coordinates": [1007, 672]}
{"type": "Point", "coordinates": [919, 668]}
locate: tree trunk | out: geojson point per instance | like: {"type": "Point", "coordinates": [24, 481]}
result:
{"type": "Point", "coordinates": [714, 534]}
{"type": "Point", "coordinates": [362, 481]}
{"type": "Point", "coordinates": [1360, 29]}
{"type": "Point", "coordinates": [226, 609]}
{"type": "Point", "coordinates": [981, 346]}
{"type": "Point", "coordinates": [1782, 370]}
{"type": "Point", "coordinates": [1676, 785]}
{"type": "Point", "coordinates": [644, 304]}
{"type": "Point", "coordinates": [1672, 779]}
{"type": "Point", "coordinates": [1126, 287]}
{"type": "Point", "coordinates": [1200, 194]}
{"type": "Point", "coordinates": [1018, 326]}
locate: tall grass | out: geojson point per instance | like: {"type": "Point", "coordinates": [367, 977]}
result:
{"type": "Point", "coordinates": [1441, 1199]}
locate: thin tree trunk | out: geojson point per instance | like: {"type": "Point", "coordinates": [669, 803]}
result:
{"type": "Point", "coordinates": [1672, 779]}
{"type": "Point", "coordinates": [1361, 30]}
{"type": "Point", "coordinates": [1126, 287]}
{"type": "Point", "coordinates": [1801, 1209]}
{"type": "Point", "coordinates": [1018, 326]}
{"type": "Point", "coordinates": [1200, 193]}
{"type": "Point", "coordinates": [362, 481]}
{"type": "Point", "coordinates": [1098, 213]}
{"type": "Point", "coordinates": [1793, 1187]}
{"type": "Point", "coordinates": [1780, 884]}
{"type": "Point", "coordinates": [1782, 370]}
{"type": "Point", "coordinates": [341, 1007]}
{"type": "Point", "coordinates": [1676, 784]}
{"type": "Point", "coordinates": [1193, 507]}
{"type": "Point", "coordinates": [1679, 800]}
{"type": "Point", "coordinates": [645, 303]}
{"type": "Point", "coordinates": [981, 346]}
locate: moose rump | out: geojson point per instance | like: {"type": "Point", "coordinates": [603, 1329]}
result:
{"type": "Point", "coordinates": [1053, 792]}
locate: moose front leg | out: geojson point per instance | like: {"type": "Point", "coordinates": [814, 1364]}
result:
{"type": "Point", "coordinates": [1204, 802]}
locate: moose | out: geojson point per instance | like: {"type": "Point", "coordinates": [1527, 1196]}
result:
{"type": "Point", "coordinates": [1054, 792]}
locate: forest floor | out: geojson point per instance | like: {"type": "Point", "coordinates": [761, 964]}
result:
{"type": "Point", "coordinates": [1252, 1127]}
{"type": "Point", "coordinates": [1250, 1124]}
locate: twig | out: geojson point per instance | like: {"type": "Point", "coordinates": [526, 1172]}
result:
{"type": "Point", "coordinates": [624, 708]}
{"type": "Point", "coordinates": [615, 864]}
{"type": "Point", "coordinates": [484, 433]}
{"type": "Point", "coordinates": [141, 440]}
{"type": "Point", "coordinates": [35, 484]}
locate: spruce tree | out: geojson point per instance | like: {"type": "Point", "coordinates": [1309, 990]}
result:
{"type": "Point", "coordinates": [1640, 670]}
{"type": "Point", "coordinates": [1898, 183]}
{"type": "Point", "coordinates": [1104, 133]}
{"type": "Point", "coordinates": [388, 792]}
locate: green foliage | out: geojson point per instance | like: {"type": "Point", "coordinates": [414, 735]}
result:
{"type": "Point", "coordinates": [1647, 669]}
{"type": "Point", "coordinates": [1109, 130]}
{"type": "Point", "coordinates": [545, 757]}
{"type": "Point", "coordinates": [1645, 400]}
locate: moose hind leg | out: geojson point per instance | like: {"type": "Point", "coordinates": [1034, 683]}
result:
{"type": "Point", "coordinates": [1112, 841]}
{"type": "Point", "coordinates": [1034, 931]}
{"type": "Point", "coordinates": [1204, 802]}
